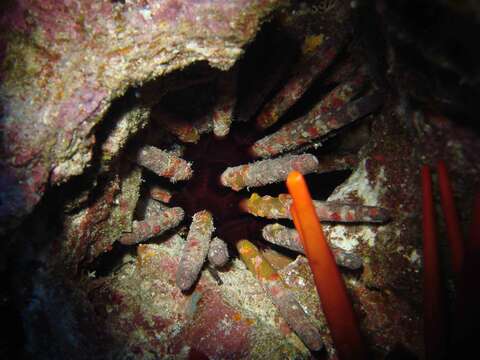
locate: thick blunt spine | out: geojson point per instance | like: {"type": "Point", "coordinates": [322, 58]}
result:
{"type": "Point", "coordinates": [160, 194]}
{"type": "Point", "coordinates": [279, 208]}
{"type": "Point", "coordinates": [304, 74]}
{"type": "Point", "coordinates": [184, 130]}
{"type": "Point", "coordinates": [267, 171]}
{"type": "Point", "coordinates": [280, 295]}
{"type": "Point", "coordinates": [153, 226]}
{"type": "Point", "coordinates": [306, 129]}
{"type": "Point", "coordinates": [288, 238]}
{"type": "Point", "coordinates": [195, 250]}
{"type": "Point", "coordinates": [164, 163]}
{"type": "Point", "coordinates": [223, 111]}
{"type": "Point", "coordinates": [218, 252]}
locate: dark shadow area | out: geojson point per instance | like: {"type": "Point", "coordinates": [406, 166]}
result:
{"type": "Point", "coordinates": [108, 263]}
{"type": "Point", "coordinates": [263, 69]}
{"type": "Point", "coordinates": [399, 352]}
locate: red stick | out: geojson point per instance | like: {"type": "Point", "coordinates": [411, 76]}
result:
{"type": "Point", "coordinates": [336, 304]}
{"type": "Point", "coordinates": [451, 219]}
{"type": "Point", "coordinates": [434, 320]}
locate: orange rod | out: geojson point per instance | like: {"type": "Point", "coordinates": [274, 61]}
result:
{"type": "Point", "coordinates": [434, 321]}
{"type": "Point", "coordinates": [451, 219]}
{"type": "Point", "coordinates": [331, 289]}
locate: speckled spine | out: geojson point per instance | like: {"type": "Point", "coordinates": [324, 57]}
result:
{"type": "Point", "coordinates": [127, 125]}
{"type": "Point", "coordinates": [185, 131]}
{"type": "Point", "coordinates": [330, 162]}
{"type": "Point", "coordinates": [279, 208]}
{"type": "Point", "coordinates": [153, 226]}
{"type": "Point", "coordinates": [304, 74]}
{"type": "Point", "coordinates": [160, 194]}
{"type": "Point", "coordinates": [342, 71]}
{"type": "Point", "coordinates": [223, 111]}
{"type": "Point", "coordinates": [267, 172]}
{"type": "Point", "coordinates": [177, 149]}
{"type": "Point", "coordinates": [164, 163]}
{"type": "Point", "coordinates": [218, 252]}
{"type": "Point", "coordinates": [190, 132]}
{"type": "Point", "coordinates": [340, 95]}
{"type": "Point", "coordinates": [311, 126]}
{"type": "Point", "coordinates": [195, 250]}
{"type": "Point", "coordinates": [288, 238]}
{"type": "Point", "coordinates": [154, 208]}
{"type": "Point", "coordinates": [127, 199]}
{"type": "Point", "coordinates": [204, 124]}
{"type": "Point", "coordinates": [280, 295]}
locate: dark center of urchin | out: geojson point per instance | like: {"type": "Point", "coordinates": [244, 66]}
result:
{"type": "Point", "coordinates": [210, 157]}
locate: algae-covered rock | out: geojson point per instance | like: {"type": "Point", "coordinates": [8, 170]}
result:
{"type": "Point", "coordinates": [63, 63]}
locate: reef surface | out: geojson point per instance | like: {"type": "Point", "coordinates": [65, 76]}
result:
{"type": "Point", "coordinates": [116, 115]}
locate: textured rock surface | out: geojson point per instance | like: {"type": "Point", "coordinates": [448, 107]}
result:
{"type": "Point", "coordinates": [64, 62]}
{"type": "Point", "coordinates": [142, 305]}
{"type": "Point", "coordinates": [81, 294]}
